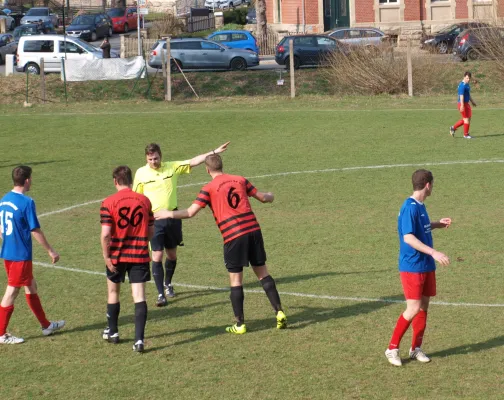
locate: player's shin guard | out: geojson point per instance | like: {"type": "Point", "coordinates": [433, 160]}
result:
{"type": "Point", "coordinates": [113, 311]}
{"type": "Point", "coordinates": [140, 320]}
{"type": "Point", "coordinates": [419, 323]}
{"type": "Point", "coordinates": [269, 287]}
{"type": "Point", "coordinates": [237, 298]}
{"type": "Point", "coordinates": [170, 270]}
{"type": "Point", "coordinates": [5, 314]}
{"type": "Point", "coordinates": [158, 273]}
{"type": "Point", "coordinates": [399, 331]}
{"type": "Point", "coordinates": [33, 301]}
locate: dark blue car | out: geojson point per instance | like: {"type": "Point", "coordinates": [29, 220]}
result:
{"type": "Point", "coordinates": [235, 39]}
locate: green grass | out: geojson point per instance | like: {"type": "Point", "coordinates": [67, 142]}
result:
{"type": "Point", "coordinates": [326, 234]}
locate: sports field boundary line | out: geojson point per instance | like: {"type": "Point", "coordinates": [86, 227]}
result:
{"type": "Point", "coordinates": [294, 294]}
{"type": "Point", "coordinates": [315, 171]}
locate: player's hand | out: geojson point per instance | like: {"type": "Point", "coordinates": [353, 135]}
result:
{"type": "Point", "coordinates": [270, 197]}
{"type": "Point", "coordinates": [473, 103]}
{"type": "Point", "coordinates": [445, 222]}
{"type": "Point", "coordinates": [222, 148]}
{"type": "Point", "coordinates": [462, 108]}
{"type": "Point", "coordinates": [441, 258]}
{"type": "Point", "coordinates": [54, 256]}
{"type": "Point", "coordinates": [163, 214]}
{"type": "Point", "coordinates": [111, 267]}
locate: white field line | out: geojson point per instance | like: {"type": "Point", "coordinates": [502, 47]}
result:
{"type": "Point", "coordinates": [305, 295]}
{"type": "Point", "coordinates": [315, 171]}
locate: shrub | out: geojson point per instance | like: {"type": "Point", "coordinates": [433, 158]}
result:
{"type": "Point", "coordinates": [491, 46]}
{"type": "Point", "coordinates": [231, 27]}
{"type": "Point", "coordinates": [236, 16]}
{"type": "Point", "coordinates": [167, 24]}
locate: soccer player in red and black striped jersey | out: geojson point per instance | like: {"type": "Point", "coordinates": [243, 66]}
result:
{"type": "Point", "coordinates": [127, 226]}
{"type": "Point", "coordinates": [227, 196]}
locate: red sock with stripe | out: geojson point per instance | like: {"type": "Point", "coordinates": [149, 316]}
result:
{"type": "Point", "coordinates": [399, 331]}
{"type": "Point", "coordinates": [5, 314]}
{"type": "Point", "coordinates": [419, 323]}
{"type": "Point", "coordinates": [33, 301]}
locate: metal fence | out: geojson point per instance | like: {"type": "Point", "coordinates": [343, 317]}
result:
{"type": "Point", "coordinates": [267, 44]}
{"type": "Point", "coordinates": [198, 24]}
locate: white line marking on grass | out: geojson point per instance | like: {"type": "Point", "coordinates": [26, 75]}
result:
{"type": "Point", "coordinates": [315, 171]}
{"type": "Point", "coordinates": [305, 295]}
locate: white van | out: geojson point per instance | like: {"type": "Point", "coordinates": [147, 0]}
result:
{"type": "Point", "coordinates": [52, 48]}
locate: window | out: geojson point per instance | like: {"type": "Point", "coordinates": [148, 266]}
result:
{"type": "Point", "coordinates": [39, 46]}
{"type": "Point", "coordinates": [2, 13]}
{"type": "Point", "coordinates": [238, 36]}
{"type": "Point", "coordinates": [389, 1]}
{"type": "Point", "coordinates": [325, 42]}
{"type": "Point", "coordinates": [370, 34]}
{"type": "Point", "coordinates": [70, 48]}
{"type": "Point", "coordinates": [338, 34]}
{"type": "Point", "coordinates": [190, 45]}
{"type": "Point", "coordinates": [173, 46]}
{"type": "Point", "coordinates": [352, 34]}
{"type": "Point", "coordinates": [97, 19]}
{"type": "Point", "coordinates": [304, 41]}
{"type": "Point", "coordinates": [209, 46]}
{"type": "Point", "coordinates": [222, 37]}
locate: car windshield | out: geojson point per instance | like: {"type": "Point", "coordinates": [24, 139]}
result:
{"type": "Point", "coordinates": [115, 12]}
{"type": "Point", "coordinates": [85, 46]}
{"type": "Point", "coordinates": [34, 12]}
{"type": "Point", "coordinates": [448, 29]}
{"type": "Point", "coordinates": [84, 20]}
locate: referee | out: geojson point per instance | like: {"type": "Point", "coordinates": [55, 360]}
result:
{"type": "Point", "coordinates": [158, 181]}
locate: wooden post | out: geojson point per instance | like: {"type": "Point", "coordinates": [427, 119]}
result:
{"type": "Point", "coordinates": [42, 80]}
{"type": "Point", "coordinates": [168, 71]}
{"type": "Point", "coordinates": [291, 64]}
{"type": "Point", "coordinates": [410, 70]}
{"type": "Point", "coordinates": [123, 47]}
{"type": "Point", "coordinates": [3, 25]}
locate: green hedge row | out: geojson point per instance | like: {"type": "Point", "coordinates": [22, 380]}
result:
{"type": "Point", "coordinates": [236, 16]}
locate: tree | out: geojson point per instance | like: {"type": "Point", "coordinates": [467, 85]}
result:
{"type": "Point", "coordinates": [262, 26]}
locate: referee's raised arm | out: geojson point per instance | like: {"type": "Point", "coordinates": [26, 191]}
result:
{"type": "Point", "coordinates": [195, 161]}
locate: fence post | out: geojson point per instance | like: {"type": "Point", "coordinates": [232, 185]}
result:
{"type": "Point", "coordinates": [123, 47]}
{"type": "Point", "coordinates": [168, 70]}
{"type": "Point", "coordinates": [291, 64]}
{"type": "Point", "coordinates": [42, 80]}
{"type": "Point", "coordinates": [163, 65]}
{"type": "Point", "coordinates": [410, 69]}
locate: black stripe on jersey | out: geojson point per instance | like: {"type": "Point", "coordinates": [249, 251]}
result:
{"type": "Point", "coordinates": [129, 247]}
{"type": "Point", "coordinates": [205, 193]}
{"type": "Point", "coordinates": [240, 231]}
{"type": "Point", "coordinates": [104, 209]}
{"type": "Point", "coordinates": [238, 224]}
{"type": "Point", "coordinates": [106, 221]}
{"type": "Point", "coordinates": [203, 200]}
{"type": "Point", "coordinates": [139, 238]}
{"type": "Point", "coordinates": [235, 217]}
{"type": "Point", "coordinates": [105, 216]}
{"type": "Point", "coordinates": [146, 256]}
{"type": "Point", "coordinates": [166, 177]}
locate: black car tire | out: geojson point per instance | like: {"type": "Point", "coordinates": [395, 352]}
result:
{"type": "Point", "coordinates": [110, 32]}
{"type": "Point", "coordinates": [442, 48]}
{"type": "Point", "coordinates": [472, 55]}
{"type": "Point", "coordinates": [238, 64]}
{"type": "Point", "coordinates": [297, 63]}
{"type": "Point", "coordinates": [173, 66]}
{"type": "Point", "coordinates": [13, 25]}
{"type": "Point", "coordinates": [126, 28]}
{"type": "Point", "coordinates": [1, 60]}
{"type": "Point", "coordinates": [32, 68]}
{"type": "Point", "coordinates": [94, 36]}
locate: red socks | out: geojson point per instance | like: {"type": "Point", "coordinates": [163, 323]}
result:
{"type": "Point", "coordinates": [458, 124]}
{"type": "Point", "coordinates": [5, 314]}
{"type": "Point", "coordinates": [419, 323]}
{"type": "Point", "coordinates": [399, 331]}
{"type": "Point", "coordinates": [34, 304]}
{"type": "Point", "coordinates": [466, 129]}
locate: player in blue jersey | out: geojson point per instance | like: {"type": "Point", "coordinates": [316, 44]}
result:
{"type": "Point", "coordinates": [18, 222]}
{"type": "Point", "coordinates": [464, 101]}
{"type": "Point", "coordinates": [417, 266]}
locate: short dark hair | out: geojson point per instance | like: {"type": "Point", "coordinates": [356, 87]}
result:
{"type": "Point", "coordinates": [21, 174]}
{"type": "Point", "coordinates": [152, 148]}
{"type": "Point", "coordinates": [468, 73]}
{"type": "Point", "coordinates": [420, 178]}
{"type": "Point", "coordinates": [123, 176]}
{"type": "Point", "coordinates": [214, 162]}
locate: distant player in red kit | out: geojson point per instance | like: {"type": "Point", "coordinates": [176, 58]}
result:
{"type": "Point", "coordinates": [464, 100]}
{"type": "Point", "coordinates": [227, 196]}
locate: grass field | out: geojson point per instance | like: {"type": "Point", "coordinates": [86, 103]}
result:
{"type": "Point", "coordinates": [340, 172]}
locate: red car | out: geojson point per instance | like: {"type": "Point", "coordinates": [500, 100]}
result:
{"type": "Point", "coordinates": [123, 19]}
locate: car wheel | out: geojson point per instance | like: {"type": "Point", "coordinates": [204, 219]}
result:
{"type": "Point", "coordinates": [472, 55]}
{"type": "Point", "coordinates": [12, 26]}
{"type": "Point", "coordinates": [1, 60]}
{"type": "Point", "coordinates": [442, 48]}
{"type": "Point", "coordinates": [173, 66]}
{"type": "Point", "coordinates": [238, 64]}
{"type": "Point", "coordinates": [93, 36]}
{"type": "Point", "coordinates": [297, 63]}
{"type": "Point", "coordinates": [126, 28]}
{"type": "Point", "coordinates": [110, 32]}
{"type": "Point", "coordinates": [32, 69]}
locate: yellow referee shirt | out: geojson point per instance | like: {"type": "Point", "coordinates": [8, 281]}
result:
{"type": "Point", "coordinates": [160, 185]}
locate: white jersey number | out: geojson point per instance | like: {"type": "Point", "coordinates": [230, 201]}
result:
{"type": "Point", "coordinates": [8, 222]}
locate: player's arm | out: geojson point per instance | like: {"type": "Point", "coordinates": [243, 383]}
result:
{"type": "Point", "coordinates": [264, 197]}
{"type": "Point", "coordinates": [442, 223]}
{"type": "Point", "coordinates": [40, 237]}
{"type": "Point", "coordinates": [461, 101]}
{"type": "Point", "coordinates": [106, 235]}
{"type": "Point", "coordinates": [195, 161]}
{"type": "Point", "coordinates": [412, 240]}
{"type": "Point", "coordinates": [179, 214]}
{"type": "Point", "coordinates": [137, 184]}
{"type": "Point", "coordinates": [472, 101]}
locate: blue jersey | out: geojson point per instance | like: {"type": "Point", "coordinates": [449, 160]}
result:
{"type": "Point", "coordinates": [17, 219]}
{"type": "Point", "coordinates": [413, 219]}
{"type": "Point", "coordinates": [464, 90]}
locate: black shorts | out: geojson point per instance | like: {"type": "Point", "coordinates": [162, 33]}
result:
{"type": "Point", "coordinates": [137, 273]}
{"type": "Point", "coordinates": [239, 252]}
{"type": "Point", "coordinates": [167, 234]}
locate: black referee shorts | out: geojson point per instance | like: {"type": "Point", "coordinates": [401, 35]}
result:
{"type": "Point", "coordinates": [137, 273]}
{"type": "Point", "coordinates": [167, 234]}
{"type": "Point", "coordinates": [244, 250]}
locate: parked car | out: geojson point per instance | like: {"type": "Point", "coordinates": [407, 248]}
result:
{"type": "Point", "coordinates": [90, 27]}
{"type": "Point", "coordinates": [123, 19]}
{"type": "Point", "coordinates": [214, 4]}
{"type": "Point", "coordinates": [442, 41]}
{"type": "Point", "coordinates": [359, 36]}
{"type": "Point", "coordinates": [235, 39]}
{"type": "Point", "coordinates": [32, 29]}
{"type": "Point", "coordinates": [251, 16]}
{"type": "Point", "coordinates": [7, 46]}
{"type": "Point", "coordinates": [308, 50]}
{"type": "Point", "coordinates": [35, 14]}
{"type": "Point", "coordinates": [10, 23]}
{"type": "Point", "coordinates": [194, 53]}
{"type": "Point", "coordinates": [52, 48]}
{"type": "Point", "coordinates": [475, 43]}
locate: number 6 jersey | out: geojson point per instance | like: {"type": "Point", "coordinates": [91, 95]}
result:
{"type": "Point", "coordinates": [227, 196]}
{"type": "Point", "coordinates": [130, 215]}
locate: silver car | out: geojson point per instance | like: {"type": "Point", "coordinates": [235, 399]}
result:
{"type": "Point", "coordinates": [194, 53]}
{"type": "Point", "coordinates": [359, 36]}
{"type": "Point", "coordinates": [7, 46]}
{"type": "Point", "coordinates": [35, 14]}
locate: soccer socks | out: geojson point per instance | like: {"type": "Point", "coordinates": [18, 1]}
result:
{"type": "Point", "coordinates": [33, 301]}
{"type": "Point", "coordinates": [458, 124]}
{"type": "Point", "coordinates": [170, 270]}
{"type": "Point", "coordinates": [419, 323]}
{"type": "Point", "coordinates": [399, 331]}
{"type": "Point", "coordinates": [158, 273]}
{"type": "Point", "coordinates": [237, 298]}
{"type": "Point", "coordinates": [113, 311]}
{"type": "Point", "coordinates": [140, 320]}
{"type": "Point", "coordinates": [466, 129]}
{"type": "Point", "coordinates": [269, 287]}
{"type": "Point", "coordinates": [5, 314]}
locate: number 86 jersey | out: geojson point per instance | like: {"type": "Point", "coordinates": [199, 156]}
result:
{"type": "Point", "coordinates": [130, 215]}
{"type": "Point", "coordinates": [227, 196]}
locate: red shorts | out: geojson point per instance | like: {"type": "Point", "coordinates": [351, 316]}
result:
{"type": "Point", "coordinates": [415, 285]}
{"type": "Point", "coordinates": [19, 273]}
{"type": "Point", "coordinates": [467, 113]}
